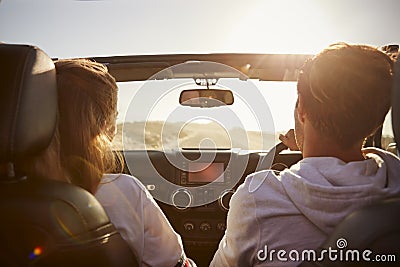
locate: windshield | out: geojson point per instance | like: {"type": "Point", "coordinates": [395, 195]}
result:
{"type": "Point", "coordinates": [167, 125]}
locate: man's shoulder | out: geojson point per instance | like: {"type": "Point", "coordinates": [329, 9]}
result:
{"type": "Point", "coordinates": [261, 187]}
{"type": "Point", "coordinates": [261, 180]}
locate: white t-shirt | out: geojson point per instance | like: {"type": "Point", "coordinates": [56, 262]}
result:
{"type": "Point", "coordinates": [139, 219]}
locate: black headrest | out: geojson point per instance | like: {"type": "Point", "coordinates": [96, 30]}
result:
{"type": "Point", "coordinates": [28, 101]}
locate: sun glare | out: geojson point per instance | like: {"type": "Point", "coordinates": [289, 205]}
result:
{"type": "Point", "coordinates": [282, 27]}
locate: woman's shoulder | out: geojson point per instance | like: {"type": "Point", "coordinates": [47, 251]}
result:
{"type": "Point", "coordinates": [111, 177]}
{"type": "Point", "coordinates": [123, 181]}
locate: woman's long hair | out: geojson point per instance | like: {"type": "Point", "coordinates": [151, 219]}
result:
{"type": "Point", "coordinates": [87, 99]}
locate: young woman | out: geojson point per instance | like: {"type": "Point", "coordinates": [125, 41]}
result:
{"type": "Point", "coordinates": [87, 117]}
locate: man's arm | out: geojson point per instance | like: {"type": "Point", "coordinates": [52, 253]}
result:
{"type": "Point", "coordinates": [238, 246]}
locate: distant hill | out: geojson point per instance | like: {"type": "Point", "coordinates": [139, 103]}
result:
{"type": "Point", "coordinates": [159, 135]}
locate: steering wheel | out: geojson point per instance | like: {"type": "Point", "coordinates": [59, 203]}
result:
{"type": "Point", "coordinates": [269, 157]}
{"type": "Point", "coordinates": [279, 147]}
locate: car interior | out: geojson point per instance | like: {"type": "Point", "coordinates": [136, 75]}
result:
{"type": "Point", "coordinates": [191, 184]}
{"type": "Point", "coordinates": [195, 202]}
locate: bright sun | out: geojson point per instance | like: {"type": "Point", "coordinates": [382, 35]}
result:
{"type": "Point", "coordinates": [282, 27]}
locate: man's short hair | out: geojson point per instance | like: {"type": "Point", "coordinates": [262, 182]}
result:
{"type": "Point", "coordinates": [346, 91]}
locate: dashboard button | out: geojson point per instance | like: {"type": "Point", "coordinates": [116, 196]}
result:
{"type": "Point", "coordinates": [181, 199]}
{"type": "Point", "coordinates": [205, 226]}
{"type": "Point", "coordinates": [150, 187]}
{"type": "Point", "coordinates": [221, 226]}
{"type": "Point", "coordinates": [188, 226]}
{"type": "Point", "coordinates": [225, 198]}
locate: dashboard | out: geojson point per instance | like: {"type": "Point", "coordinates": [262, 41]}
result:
{"type": "Point", "coordinates": [193, 188]}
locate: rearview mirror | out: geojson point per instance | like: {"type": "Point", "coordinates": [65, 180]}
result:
{"type": "Point", "coordinates": [206, 98]}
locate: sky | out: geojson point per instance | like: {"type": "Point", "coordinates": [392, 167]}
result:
{"type": "Point", "coordinates": [68, 28]}
{"type": "Point", "coordinates": [72, 28]}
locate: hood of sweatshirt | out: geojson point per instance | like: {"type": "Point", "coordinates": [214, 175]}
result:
{"type": "Point", "coordinates": [326, 189]}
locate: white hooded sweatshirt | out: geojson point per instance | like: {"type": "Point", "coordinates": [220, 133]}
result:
{"type": "Point", "coordinates": [297, 209]}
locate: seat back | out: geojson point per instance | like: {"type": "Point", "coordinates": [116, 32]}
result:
{"type": "Point", "coordinates": [44, 222]}
{"type": "Point", "coordinates": [374, 228]}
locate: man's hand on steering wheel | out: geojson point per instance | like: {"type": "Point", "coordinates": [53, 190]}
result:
{"type": "Point", "coordinates": [289, 140]}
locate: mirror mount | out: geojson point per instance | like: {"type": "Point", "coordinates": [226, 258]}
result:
{"type": "Point", "coordinates": [205, 82]}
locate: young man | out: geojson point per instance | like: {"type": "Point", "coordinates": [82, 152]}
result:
{"type": "Point", "coordinates": [343, 96]}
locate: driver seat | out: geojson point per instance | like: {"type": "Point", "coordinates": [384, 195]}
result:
{"type": "Point", "coordinates": [44, 222]}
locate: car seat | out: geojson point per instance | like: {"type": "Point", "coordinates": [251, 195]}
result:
{"type": "Point", "coordinates": [44, 222]}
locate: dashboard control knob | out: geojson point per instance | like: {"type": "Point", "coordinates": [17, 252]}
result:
{"type": "Point", "coordinates": [188, 226]}
{"type": "Point", "coordinates": [182, 199]}
{"type": "Point", "coordinates": [221, 226]}
{"type": "Point", "coordinates": [205, 226]}
{"type": "Point", "coordinates": [225, 198]}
